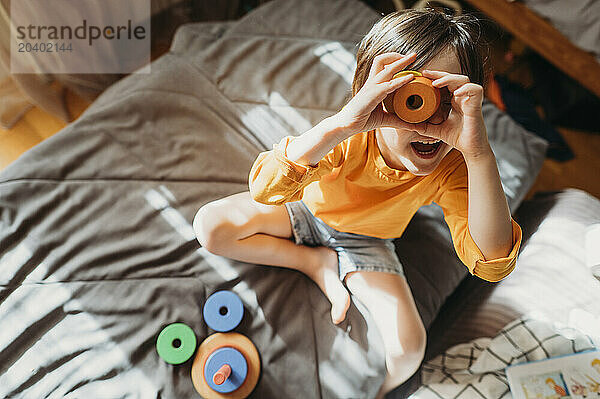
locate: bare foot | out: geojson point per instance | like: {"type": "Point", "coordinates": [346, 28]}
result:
{"type": "Point", "coordinates": [325, 274]}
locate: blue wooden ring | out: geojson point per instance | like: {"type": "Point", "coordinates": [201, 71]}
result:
{"type": "Point", "coordinates": [223, 311]}
{"type": "Point", "coordinates": [235, 360]}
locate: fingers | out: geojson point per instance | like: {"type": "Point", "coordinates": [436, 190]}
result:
{"type": "Point", "coordinates": [458, 85]}
{"type": "Point", "coordinates": [380, 61]}
{"type": "Point", "coordinates": [434, 74]}
{"type": "Point", "coordinates": [392, 120]}
{"type": "Point", "coordinates": [384, 61]}
{"type": "Point", "coordinates": [381, 90]}
{"type": "Point", "coordinates": [444, 79]}
{"type": "Point", "coordinates": [469, 89]}
{"type": "Point", "coordinates": [422, 128]}
{"type": "Point", "coordinates": [390, 69]}
{"type": "Point", "coordinates": [435, 131]}
{"type": "Point", "coordinates": [378, 92]}
{"type": "Point", "coordinates": [395, 84]}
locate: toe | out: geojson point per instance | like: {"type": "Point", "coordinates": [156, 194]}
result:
{"type": "Point", "coordinates": [339, 308]}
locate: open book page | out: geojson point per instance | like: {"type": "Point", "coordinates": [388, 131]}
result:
{"type": "Point", "coordinates": [574, 376]}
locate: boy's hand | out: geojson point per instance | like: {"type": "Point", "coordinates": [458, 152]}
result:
{"type": "Point", "coordinates": [364, 111]}
{"type": "Point", "coordinates": [464, 128]}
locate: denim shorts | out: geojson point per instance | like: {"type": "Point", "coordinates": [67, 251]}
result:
{"type": "Point", "coordinates": [356, 252]}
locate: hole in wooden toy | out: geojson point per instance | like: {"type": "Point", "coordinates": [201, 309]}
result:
{"type": "Point", "coordinates": [414, 102]}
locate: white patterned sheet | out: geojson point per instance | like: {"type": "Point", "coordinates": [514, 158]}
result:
{"type": "Point", "coordinates": [477, 369]}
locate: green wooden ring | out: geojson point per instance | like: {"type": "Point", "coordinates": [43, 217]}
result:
{"type": "Point", "coordinates": [168, 337]}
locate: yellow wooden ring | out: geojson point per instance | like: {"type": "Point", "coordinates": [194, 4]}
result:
{"type": "Point", "coordinates": [389, 99]}
{"type": "Point", "coordinates": [407, 72]}
{"type": "Point", "coordinates": [223, 340]}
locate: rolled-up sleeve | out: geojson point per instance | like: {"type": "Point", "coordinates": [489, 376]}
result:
{"type": "Point", "coordinates": [454, 201]}
{"type": "Point", "coordinates": [275, 179]}
{"type": "Point", "coordinates": [496, 269]}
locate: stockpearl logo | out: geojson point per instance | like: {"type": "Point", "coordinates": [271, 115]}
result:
{"type": "Point", "coordinates": [80, 36]}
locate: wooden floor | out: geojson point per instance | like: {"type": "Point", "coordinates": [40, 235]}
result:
{"type": "Point", "coordinates": [34, 127]}
{"type": "Point", "coordinates": [581, 172]}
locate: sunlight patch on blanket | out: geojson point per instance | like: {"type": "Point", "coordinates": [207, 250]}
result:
{"type": "Point", "coordinates": [13, 260]}
{"type": "Point", "coordinates": [172, 216]}
{"type": "Point", "coordinates": [288, 113]}
{"type": "Point", "coordinates": [219, 264]}
{"type": "Point", "coordinates": [62, 344]}
{"type": "Point", "coordinates": [336, 57]}
{"type": "Point", "coordinates": [342, 383]}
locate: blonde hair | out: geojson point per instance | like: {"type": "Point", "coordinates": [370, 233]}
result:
{"type": "Point", "coordinates": [428, 33]}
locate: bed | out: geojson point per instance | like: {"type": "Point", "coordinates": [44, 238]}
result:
{"type": "Point", "coordinates": [97, 251]}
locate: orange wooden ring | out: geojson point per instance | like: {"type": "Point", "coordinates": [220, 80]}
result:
{"type": "Point", "coordinates": [427, 100]}
{"type": "Point", "coordinates": [223, 340]}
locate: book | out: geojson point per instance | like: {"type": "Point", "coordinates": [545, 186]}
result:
{"type": "Point", "coordinates": [575, 376]}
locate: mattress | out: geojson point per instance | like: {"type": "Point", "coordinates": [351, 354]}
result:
{"type": "Point", "coordinates": [552, 280]}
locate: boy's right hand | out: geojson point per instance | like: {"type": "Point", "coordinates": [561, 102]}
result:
{"type": "Point", "coordinates": [364, 111]}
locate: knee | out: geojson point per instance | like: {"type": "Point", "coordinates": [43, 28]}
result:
{"type": "Point", "coordinates": [404, 364]}
{"type": "Point", "coordinates": [212, 228]}
{"type": "Point", "coordinates": [415, 347]}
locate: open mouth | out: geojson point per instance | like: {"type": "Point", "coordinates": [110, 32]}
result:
{"type": "Point", "coordinates": [426, 149]}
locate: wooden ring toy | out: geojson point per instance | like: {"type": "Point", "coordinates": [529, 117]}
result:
{"type": "Point", "coordinates": [211, 345]}
{"type": "Point", "coordinates": [223, 311]}
{"type": "Point", "coordinates": [414, 102]}
{"type": "Point", "coordinates": [225, 370]}
{"type": "Point", "coordinates": [176, 343]}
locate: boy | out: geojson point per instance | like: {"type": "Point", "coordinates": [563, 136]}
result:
{"type": "Point", "coordinates": [347, 187]}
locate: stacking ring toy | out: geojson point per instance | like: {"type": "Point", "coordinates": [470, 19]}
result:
{"type": "Point", "coordinates": [176, 343]}
{"type": "Point", "coordinates": [414, 102]}
{"type": "Point", "coordinates": [228, 369]}
{"type": "Point", "coordinates": [223, 311]}
{"type": "Point", "coordinates": [226, 366]}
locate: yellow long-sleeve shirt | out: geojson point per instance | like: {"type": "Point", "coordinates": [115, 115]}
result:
{"type": "Point", "coordinates": [353, 190]}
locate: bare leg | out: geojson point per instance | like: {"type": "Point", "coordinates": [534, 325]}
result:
{"type": "Point", "coordinates": [240, 228]}
{"type": "Point", "coordinates": [389, 300]}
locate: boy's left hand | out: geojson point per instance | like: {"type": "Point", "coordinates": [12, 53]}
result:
{"type": "Point", "coordinates": [464, 128]}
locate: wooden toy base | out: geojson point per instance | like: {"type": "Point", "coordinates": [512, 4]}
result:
{"type": "Point", "coordinates": [222, 340]}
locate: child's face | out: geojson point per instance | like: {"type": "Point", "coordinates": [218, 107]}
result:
{"type": "Point", "coordinates": [403, 144]}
